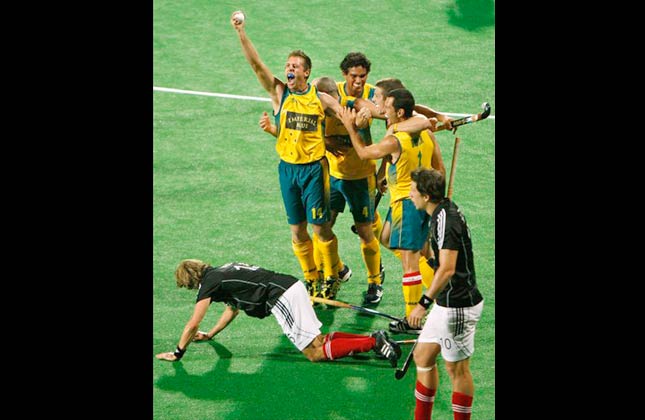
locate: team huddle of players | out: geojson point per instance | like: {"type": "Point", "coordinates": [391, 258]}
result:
{"type": "Point", "coordinates": [354, 179]}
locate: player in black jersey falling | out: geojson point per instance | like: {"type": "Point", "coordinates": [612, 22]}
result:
{"type": "Point", "coordinates": [450, 326]}
{"type": "Point", "coordinates": [260, 293]}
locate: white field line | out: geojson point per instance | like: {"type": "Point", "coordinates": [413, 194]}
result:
{"type": "Point", "coordinates": [256, 98]}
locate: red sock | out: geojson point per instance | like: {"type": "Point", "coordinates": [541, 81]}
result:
{"type": "Point", "coordinates": [462, 406]}
{"type": "Point", "coordinates": [337, 345]}
{"type": "Point", "coordinates": [337, 334]}
{"type": "Point", "coordinates": [425, 399]}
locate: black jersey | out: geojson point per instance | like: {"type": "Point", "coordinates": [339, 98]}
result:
{"type": "Point", "coordinates": [247, 287]}
{"type": "Point", "coordinates": [448, 230]}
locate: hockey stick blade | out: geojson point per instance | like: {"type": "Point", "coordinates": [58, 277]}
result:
{"type": "Point", "coordinates": [469, 119]}
{"type": "Point", "coordinates": [400, 373]}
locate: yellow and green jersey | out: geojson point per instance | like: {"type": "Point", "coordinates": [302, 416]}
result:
{"type": "Point", "coordinates": [350, 166]}
{"type": "Point", "coordinates": [299, 123]}
{"type": "Point", "coordinates": [415, 152]}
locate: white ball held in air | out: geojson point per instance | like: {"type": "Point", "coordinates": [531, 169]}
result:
{"type": "Point", "coordinates": [239, 17]}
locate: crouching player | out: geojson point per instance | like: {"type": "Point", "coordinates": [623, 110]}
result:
{"type": "Point", "coordinates": [450, 326]}
{"type": "Point", "coordinates": [260, 293]}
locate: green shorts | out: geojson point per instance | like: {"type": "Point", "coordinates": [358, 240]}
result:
{"type": "Point", "coordinates": [305, 191]}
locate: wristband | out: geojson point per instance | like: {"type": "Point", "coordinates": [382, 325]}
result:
{"type": "Point", "coordinates": [179, 353]}
{"type": "Point", "coordinates": [425, 301]}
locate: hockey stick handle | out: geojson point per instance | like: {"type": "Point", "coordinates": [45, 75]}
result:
{"type": "Point", "coordinates": [453, 167]}
{"type": "Point", "coordinates": [354, 307]}
{"type": "Point", "coordinates": [411, 341]}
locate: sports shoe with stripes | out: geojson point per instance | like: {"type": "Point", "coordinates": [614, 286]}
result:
{"type": "Point", "coordinates": [386, 348]}
{"type": "Point", "coordinates": [402, 327]}
{"type": "Point", "coordinates": [374, 293]}
{"type": "Point", "coordinates": [345, 273]}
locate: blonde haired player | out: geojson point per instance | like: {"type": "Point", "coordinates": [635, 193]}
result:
{"type": "Point", "coordinates": [260, 293]}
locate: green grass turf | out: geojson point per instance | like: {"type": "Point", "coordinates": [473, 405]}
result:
{"type": "Point", "coordinates": [216, 197]}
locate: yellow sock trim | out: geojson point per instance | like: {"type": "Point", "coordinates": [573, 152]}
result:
{"type": "Point", "coordinates": [411, 292]}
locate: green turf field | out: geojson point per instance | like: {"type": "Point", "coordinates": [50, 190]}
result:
{"type": "Point", "coordinates": [216, 198]}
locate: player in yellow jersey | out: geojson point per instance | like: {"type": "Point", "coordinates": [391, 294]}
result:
{"type": "Point", "coordinates": [405, 226]}
{"type": "Point", "coordinates": [412, 125]}
{"type": "Point", "coordinates": [299, 111]}
{"type": "Point", "coordinates": [353, 180]}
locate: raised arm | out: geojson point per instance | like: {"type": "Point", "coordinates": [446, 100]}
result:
{"type": "Point", "coordinates": [330, 104]}
{"type": "Point", "coordinates": [271, 84]}
{"type": "Point", "coordinates": [387, 146]}
{"type": "Point", "coordinates": [414, 124]}
{"type": "Point", "coordinates": [361, 103]}
{"type": "Point", "coordinates": [431, 113]}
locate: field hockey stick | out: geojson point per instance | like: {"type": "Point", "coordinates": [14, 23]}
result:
{"type": "Point", "coordinates": [411, 341]}
{"type": "Point", "coordinates": [453, 167]}
{"type": "Point", "coordinates": [354, 307]}
{"type": "Point", "coordinates": [467, 120]}
{"type": "Point", "coordinates": [400, 373]}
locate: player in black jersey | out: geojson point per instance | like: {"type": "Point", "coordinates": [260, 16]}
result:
{"type": "Point", "coordinates": [260, 293]}
{"type": "Point", "coordinates": [450, 326]}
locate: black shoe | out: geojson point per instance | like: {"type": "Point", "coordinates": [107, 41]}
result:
{"type": "Point", "coordinates": [374, 293]}
{"type": "Point", "coordinates": [402, 327]}
{"type": "Point", "coordinates": [345, 273]}
{"type": "Point", "coordinates": [329, 288]}
{"type": "Point", "coordinates": [386, 348]}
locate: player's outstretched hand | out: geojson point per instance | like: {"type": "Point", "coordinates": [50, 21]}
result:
{"type": "Point", "coordinates": [201, 336]}
{"type": "Point", "coordinates": [169, 356]}
{"type": "Point", "coordinates": [235, 20]}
